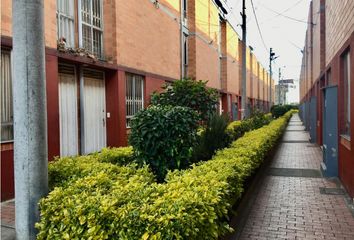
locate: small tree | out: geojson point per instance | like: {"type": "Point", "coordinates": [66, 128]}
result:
{"type": "Point", "coordinates": [189, 93]}
{"type": "Point", "coordinates": [163, 137]}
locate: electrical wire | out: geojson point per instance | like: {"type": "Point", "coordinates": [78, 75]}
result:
{"type": "Point", "coordinates": [285, 11]}
{"type": "Point", "coordinates": [259, 29]}
{"type": "Point", "coordinates": [285, 16]}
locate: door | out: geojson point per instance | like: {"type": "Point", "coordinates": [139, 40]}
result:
{"type": "Point", "coordinates": [94, 111]}
{"type": "Point", "coordinates": [330, 132]}
{"type": "Point", "coordinates": [313, 119]}
{"type": "Point", "coordinates": [68, 111]}
{"type": "Point", "coordinates": [234, 111]}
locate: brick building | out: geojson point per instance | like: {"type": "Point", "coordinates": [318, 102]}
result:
{"type": "Point", "coordinates": [326, 86]}
{"type": "Point", "coordinates": [105, 58]}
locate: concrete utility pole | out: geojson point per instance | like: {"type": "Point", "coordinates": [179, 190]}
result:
{"type": "Point", "coordinates": [271, 58]}
{"type": "Point", "coordinates": [30, 115]}
{"type": "Point", "coordinates": [244, 45]}
{"type": "Point", "coordinates": [279, 87]}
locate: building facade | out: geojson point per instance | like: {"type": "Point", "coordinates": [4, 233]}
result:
{"type": "Point", "coordinates": [105, 58]}
{"type": "Point", "coordinates": [326, 86]}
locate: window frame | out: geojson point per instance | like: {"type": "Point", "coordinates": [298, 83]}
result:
{"type": "Point", "coordinates": [59, 14]}
{"type": "Point", "coordinates": [130, 102]}
{"type": "Point", "coordinates": [345, 80]}
{"type": "Point", "coordinates": [185, 59]}
{"type": "Point", "coordinates": [11, 123]}
{"type": "Point", "coordinates": [92, 27]}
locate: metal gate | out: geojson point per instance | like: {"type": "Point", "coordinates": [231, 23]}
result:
{"type": "Point", "coordinates": [330, 132]}
{"type": "Point", "coordinates": [94, 111]}
{"type": "Point", "coordinates": [68, 112]}
{"type": "Point", "coordinates": [313, 119]}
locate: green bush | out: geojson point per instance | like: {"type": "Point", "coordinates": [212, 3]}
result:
{"type": "Point", "coordinates": [280, 110]}
{"type": "Point", "coordinates": [163, 137]}
{"type": "Point", "coordinates": [212, 138]}
{"type": "Point", "coordinates": [237, 129]}
{"type": "Point", "coordinates": [119, 156]}
{"type": "Point", "coordinates": [63, 170]}
{"type": "Point", "coordinates": [192, 204]}
{"type": "Point", "coordinates": [86, 208]}
{"type": "Point", "coordinates": [189, 93]}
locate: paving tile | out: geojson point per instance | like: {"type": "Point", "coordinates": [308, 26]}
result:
{"type": "Point", "coordinates": [293, 207]}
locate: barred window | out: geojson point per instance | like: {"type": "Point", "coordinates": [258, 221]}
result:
{"type": "Point", "coordinates": [7, 132]}
{"type": "Point", "coordinates": [134, 95]}
{"type": "Point", "coordinates": [65, 21]}
{"type": "Point", "coordinates": [92, 26]}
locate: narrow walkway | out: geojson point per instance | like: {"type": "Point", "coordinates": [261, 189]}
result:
{"type": "Point", "coordinates": [8, 220]}
{"type": "Point", "coordinates": [294, 201]}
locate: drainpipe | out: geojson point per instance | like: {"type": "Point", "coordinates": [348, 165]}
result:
{"type": "Point", "coordinates": [30, 116]}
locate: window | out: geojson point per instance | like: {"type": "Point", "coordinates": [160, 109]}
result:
{"type": "Point", "coordinates": [346, 93]}
{"type": "Point", "coordinates": [92, 27]}
{"type": "Point", "coordinates": [7, 132]}
{"type": "Point", "coordinates": [134, 95]}
{"type": "Point", "coordinates": [184, 8]}
{"type": "Point", "coordinates": [185, 55]}
{"type": "Point", "coordinates": [65, 21]}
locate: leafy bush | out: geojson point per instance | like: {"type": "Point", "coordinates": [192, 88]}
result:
{"type": "Point", "coordinates": [63, 170]}
{"type": "Point", "coordinates": [192, 204]}
{"type": "Point", "coordinates": [237, 129]}
{"type": "Point", "coordinates": [280, 110]}
{"type": "Point", "coordinates": [212, 138]}
{"type": "Point", "coordinates": [163, 137]}
{"type": "Point", "coordinates": [118, 156]}
{"type": "Point", "coordinates": [85, 208]}
{"type": "Point", "coordinates": [189, 93]}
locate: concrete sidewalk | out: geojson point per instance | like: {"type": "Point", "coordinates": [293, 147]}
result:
{"type": "Point", "coordinates": [294, 200]}
{"type": "Point", "coordinates": [8, 220]}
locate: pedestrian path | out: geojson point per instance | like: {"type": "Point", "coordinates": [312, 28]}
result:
{"type": "Point", "coordinates": [294, 200]}
{"type": "Point", "coordinates": [8, 220]}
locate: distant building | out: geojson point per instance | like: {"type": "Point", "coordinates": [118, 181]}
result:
{"type": "Point", "coordinates": [282, 89]}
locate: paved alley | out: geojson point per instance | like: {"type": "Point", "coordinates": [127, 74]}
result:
{"type": "Point", "coordinates": [295, 201]}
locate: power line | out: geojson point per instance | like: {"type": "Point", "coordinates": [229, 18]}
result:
{"type": "Point", "coordinates": [285, 16]}
{"type": "Point", "coordinates": [286, 10]}
{"type": "Point", "coordinates": [259, 29]}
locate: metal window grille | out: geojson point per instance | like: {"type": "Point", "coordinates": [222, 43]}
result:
{"type": "Point", "coordinates": [185, 55]}
{"type": "Point", "coordinates": [65, 21]}
{"type": "Point", "coordinates": [346, 85]}
{"type": "Point", "coordinates": [92, 26]}
{"type": "Point", "coordinates": [134, 96]}
{"type": "Point", "coordinates": [6, 98]}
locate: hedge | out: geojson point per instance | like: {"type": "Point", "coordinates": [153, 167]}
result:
{"type": "Point", "coordinates": [192, 204]}
{"type": "Point", "coordinates": [66, 169]}
{"type": "Point", "coordinates": [236, 129]}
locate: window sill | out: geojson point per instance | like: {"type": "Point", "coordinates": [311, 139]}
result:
{"type": "Point", "coordinates": [345, 141]}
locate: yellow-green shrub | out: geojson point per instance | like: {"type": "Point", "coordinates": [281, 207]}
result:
{"type": "Point", "coordinates": [119, 156]}
{"type": "Point", "coordinates": [65, 169]}
{"type": "Point", "coordinates": [192, 204]}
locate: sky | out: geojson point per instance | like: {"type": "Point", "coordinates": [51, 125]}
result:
{"type": "Point", "coordinates": [283, 26]}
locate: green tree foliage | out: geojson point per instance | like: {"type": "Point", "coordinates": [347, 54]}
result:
{"type": "Point", "coordinates": [213, 138]}
{"type": "Point", "coordinates": [280, 110]}
{"type": "Point", "coordinates": [189, 93]}
{"type": "Point", "coordinates": [163, 137]}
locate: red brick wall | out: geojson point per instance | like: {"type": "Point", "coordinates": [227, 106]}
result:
{"type": "Point", "coordinates": [148, 39]}
{"type": "Point", "coordinates": [339, 25]}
